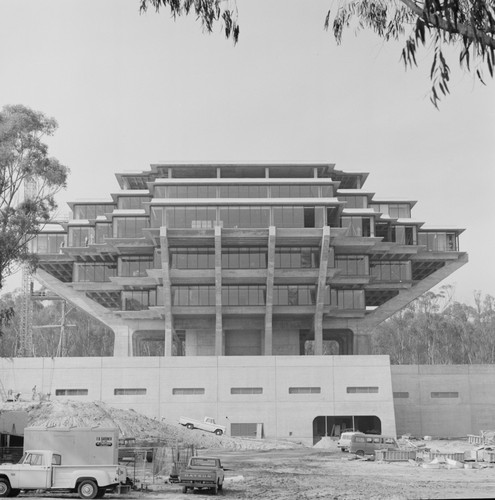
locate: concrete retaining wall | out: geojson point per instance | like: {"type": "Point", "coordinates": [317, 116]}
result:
{"type": "Point", "coordinates": [284, 414]}
{"type": "Point", "coordinates": [444, 400]}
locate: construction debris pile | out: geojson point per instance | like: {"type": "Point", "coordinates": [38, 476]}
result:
{"type": "Point", "coordinates": [130, 423]}
{"type": "Point", "coordinates": [479, 452]}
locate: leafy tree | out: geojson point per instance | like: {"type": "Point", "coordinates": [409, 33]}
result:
{"type": "Point", "coordinates": [435, 329]}
{"type": "Point", "coordinates": [467, 25]}
{"type": "Point", "coordinates": [24, 162]}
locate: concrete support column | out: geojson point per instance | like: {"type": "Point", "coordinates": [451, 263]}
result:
{"type": "Point", "coordinates": [122, 343]}
{"type": "Point", "coordinates": [167, 292]}
{"type": "Point", "coordinates": [270, 275]}
{"type": "Point", "coordinates": [320, 293]}
{"type": "Point", "coordinates": [361, 343]}
{"type": "Point", "coordinates": [219, 344]}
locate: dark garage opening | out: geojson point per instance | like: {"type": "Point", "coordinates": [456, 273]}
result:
{"type": "Point", "coordinates": [333, 426]}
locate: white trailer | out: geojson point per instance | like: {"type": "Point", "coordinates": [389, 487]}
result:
{"type": "Point", "coordinates": [78, 445]}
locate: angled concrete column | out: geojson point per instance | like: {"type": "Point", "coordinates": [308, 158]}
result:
{"type": "Point", "coordinates": [122, 334]}
{"type": "Point", "coordinates": [167, 292]}
{"type": "Point", "coordinates": [219, 345]}
{"type": "Point", "coordinates": [320, 292]}
{"type": "Point", "coordinates": [270, 274]}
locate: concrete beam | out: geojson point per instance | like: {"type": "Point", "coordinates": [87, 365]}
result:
{"type": "Point", "coordinates": [122, 346]}
{"type": "Point", "coordinates": [270, 275]}
{"type": "Point", "coordinates": [404, 297]}
{"type": "Point", "coordinates": [320, 293]}
{"type": "Point", "coordinates": [167, 292]}
{"type": "Point", "coordinates": [219, 344]}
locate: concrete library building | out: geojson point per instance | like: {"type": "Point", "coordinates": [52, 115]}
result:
{"type": "Point", "coordinates": [249, 293]}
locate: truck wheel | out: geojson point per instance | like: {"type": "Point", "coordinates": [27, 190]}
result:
{"type": "Point", "coordinates": [215, 489]}
{"type": "Point", "coordinates": [360, 453]}
{"type": "Point", "coordinates": [190, 426]}
{"type": "Point", "coordinates": [87, 489]}
{"type": "Point", "coordinates": [219, 432]}
{"type": "Point", "coordinates": [220, 486]}
{"type": "Point", "coordinates": [101, 493]}
{"type": "Point", "coordinates": [184, 489]}
{"type": "Point", "coordinates": [5, 489]}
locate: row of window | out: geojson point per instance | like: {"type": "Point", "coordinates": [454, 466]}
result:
{"type": "Point", "coordinates": [394, 210]}
{"type": "Point", "coordinates": [434, 395]}
{"type": "Point", "coordinates": [92, 211]}
{"type": "Point", "coordinates": [226, 171]}
{"type": "Point", "coordinates": [192, 391]}
{"type": "Point", "coordinates": [243, 191]}
{"type": "Point", "coordinates": [255, 295]}
{"type": "Point", "coordinates": [245, 258]}
{"type": "Point", "coordinates": [237, 216]}
{"type": "Point", "coordinates": [195, 391]}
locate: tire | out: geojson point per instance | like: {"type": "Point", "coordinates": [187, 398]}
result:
{"type": "Point", "coordinates": [101, 493]}
{"type": "Point", "coordinates": [5, 488]}
{"type": "Point", "coordinates": [220, 486]}
{"type": "Point", "coordinates": [190, 426]}
{"type": "Point", "coordinates": [184, 489]}
{"type": "Point", "coordinates": [342, 449]}
{"type": "Point", "coordinates": [14, 493]}
{"type": "Point", "coordinates": [360, 453]}
{"type": "Point", "coordinates": [219, 432]}
{"type": "Point", "coordinates": [87, 489]}
{"type": "Point", "coordinates": [215, 489]}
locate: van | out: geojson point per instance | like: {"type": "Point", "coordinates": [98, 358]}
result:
{"type": "Point", "coordinates": [345, 439]}
{"type": "Point", "coordinates": [367, 444]}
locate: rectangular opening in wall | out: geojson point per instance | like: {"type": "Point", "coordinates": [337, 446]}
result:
{"type": "Point", "coordinates": [129, 392]}
{"type": "Point", "coordinates": [401, 395]}
{"type": "Point", "coordinates": [246, 390]}
{"type": "Point", "coordinates": [244, 430]}
{"type": "Point", "coordinates": [304, 390]}
{"type": "Point", "coordinates": [444, 394]}
{"type": "Point", "coordinates": [71, 392]}
{"type": "Point", "coordinates": [187, 391]}
{"type": "Point", "coordinates": [362, 390]}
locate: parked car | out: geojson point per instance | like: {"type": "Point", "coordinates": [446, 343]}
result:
{"type": "Point", "coordinates": [44, 470]}
{"type": "Point", "coordinates": [345, 439]}
{"type": "Point", "coordinates": [208, 424]}
{"type": "Point", "coordinates": [367, 444]}
{"type": "Point", "coordinates": [202, 473]}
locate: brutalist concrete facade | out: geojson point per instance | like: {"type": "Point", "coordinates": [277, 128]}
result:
{"type": "Point", "coordinates": [193, 261]}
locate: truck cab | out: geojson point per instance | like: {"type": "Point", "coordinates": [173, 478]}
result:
{"type": "Point", "coordinates": [202, 473]}
{"type": "Point", "coordinates": [43, 470]}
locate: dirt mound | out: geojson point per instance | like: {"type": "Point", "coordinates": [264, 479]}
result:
{"type": "Point", "coordinates": [130, 423]}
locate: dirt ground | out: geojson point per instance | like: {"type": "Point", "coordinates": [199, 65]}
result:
{"type": "Point", "coordinates": [312, 473]}
{"type": "Point", "coordinates": [260, 469]}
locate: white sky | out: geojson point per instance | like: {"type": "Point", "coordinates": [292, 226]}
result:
{"type": "Point", "coordinates": [129, 90]}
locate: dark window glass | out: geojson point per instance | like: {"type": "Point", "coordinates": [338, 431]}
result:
{"type": "Point", "coordinates": [135, 266]}
{"type": "Point", "coordinates": [138, 300]}
{"type": "Point", "coordinates": [444, 394]}
{"type": "Point", "coordinates": [71, 392]}
{"type": "Point", "coordinates": [304, 390]}
{"type": "Point", "coordinates": [129, 392]}
{"type": "Point", "coordinates": [246, 390]}
{"type": "Point", "coordinates": [362, 390]}
{"type": "Point", "coordinates": [188, 391]}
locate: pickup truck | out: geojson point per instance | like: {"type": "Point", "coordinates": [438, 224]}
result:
{"type": "Point", "coordinates": [43, 470]}
{"type": "Point", "coordinates": [208, 424]}
{"type": "Point", "coordinates": [201, 473]}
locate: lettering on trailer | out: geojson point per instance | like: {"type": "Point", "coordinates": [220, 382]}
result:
{"type": "Point", "coordinates": [104, 441]}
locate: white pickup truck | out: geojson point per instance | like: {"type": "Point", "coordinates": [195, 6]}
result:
{"type": "Point", "coordinates": [208, 424]}
{"type": "Point", "coordinates": [43, 470]}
